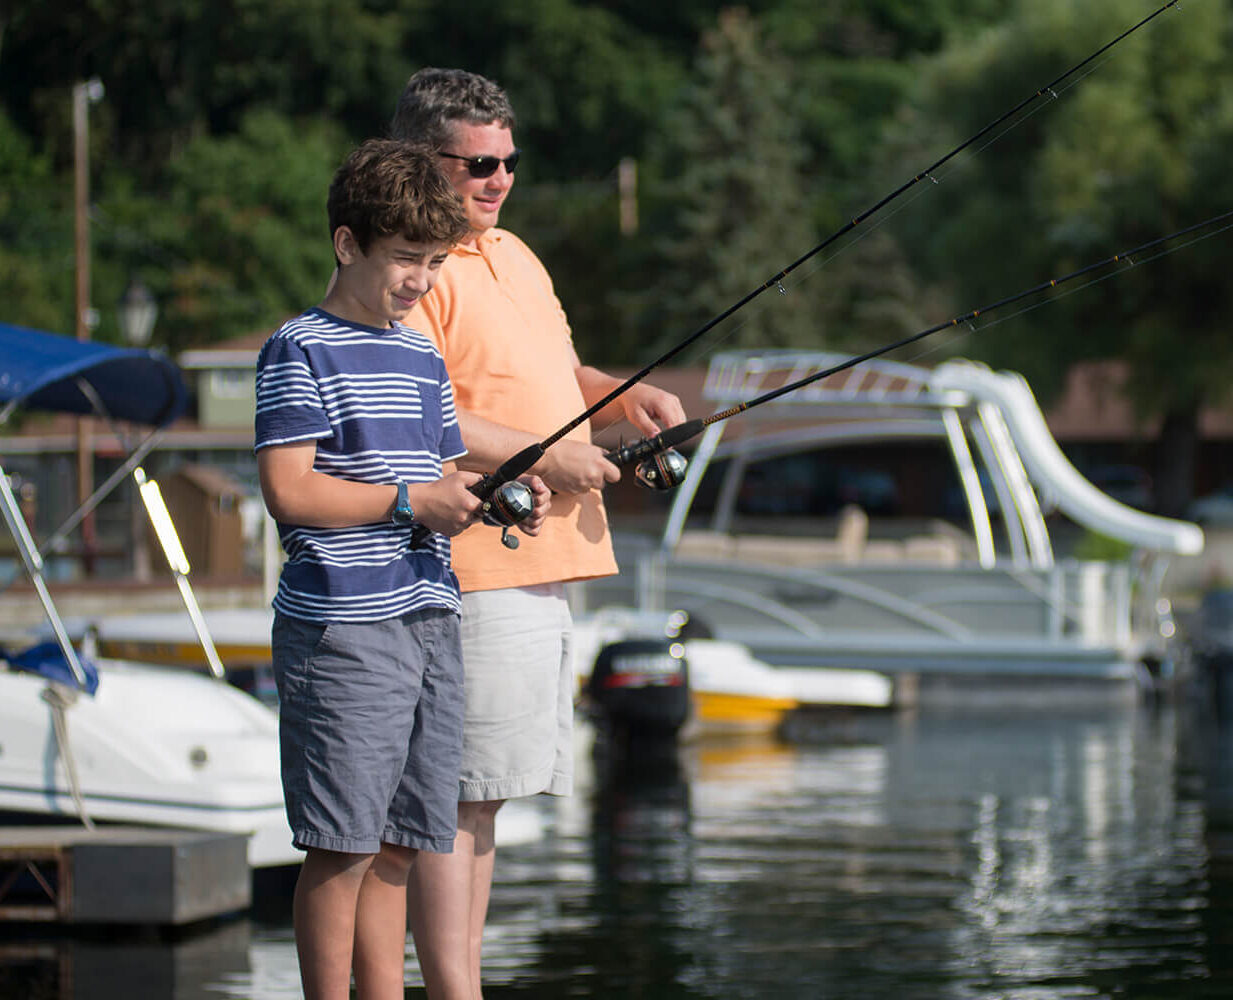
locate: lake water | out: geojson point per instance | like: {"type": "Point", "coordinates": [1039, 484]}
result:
{"type": "Point", "coordinates": [1036, 855]}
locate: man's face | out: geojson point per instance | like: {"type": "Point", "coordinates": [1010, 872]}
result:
{"type": "Point", "coordinates": [482, 197]}
{"type": "Point", "coordinates": [382, 285]}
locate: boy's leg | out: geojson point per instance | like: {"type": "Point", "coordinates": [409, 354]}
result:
{"type": "Point", "coordinates": [348, 702]}
{"type": "Point", "coordinates": [449, 904]}
{"type": "Point", "coordinates": [380, 926]}
{"type": "Point", "coordinates": [324, 913]}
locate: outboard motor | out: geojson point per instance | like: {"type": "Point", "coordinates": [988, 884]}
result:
{"type": "Point", "coordinates": [640, 688]}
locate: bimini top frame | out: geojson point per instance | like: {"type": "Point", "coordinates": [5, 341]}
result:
{"type": "Point", "coordinates": [48, 372]}
{"type": "Point", "coordinates": [879, 400]}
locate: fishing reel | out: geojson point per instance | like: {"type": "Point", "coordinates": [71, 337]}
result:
{"type": "Point", "coordinates": [509, 504]}
{"type": "Point", "coordinates": [657, 465]}
{"type": "Point", "coordinates": [502, 506]}
{"type": "Point", "coordinates": [665, 470]}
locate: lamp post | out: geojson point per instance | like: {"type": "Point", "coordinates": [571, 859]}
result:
{"type": "Point", "coordinates": [84, 94]}
{"type": "Point", "coordinates": [138, 311]}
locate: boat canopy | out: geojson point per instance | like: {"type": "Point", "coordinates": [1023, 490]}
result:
{"type": "Point", "coordinates": [51, 372]}
{"type": "Point", "coordinates": [48, 371]}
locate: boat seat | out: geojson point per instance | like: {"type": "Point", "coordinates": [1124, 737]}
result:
{"type": "Point", "coordinates": [937, 550]}
{"type": "Point", "coordinates": [706, 545]}
{"type": "Point", "coordinates": [850, 546]}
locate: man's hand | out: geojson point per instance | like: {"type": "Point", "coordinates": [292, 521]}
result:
{"type": "Point", "coordinates": [651, 409]}
{"type": "Point", "coordinates": [575, 467]}
{"type": "Point", "coordinates": [446, 505]}
{"type": "Point", "coordinates": [541, 498]}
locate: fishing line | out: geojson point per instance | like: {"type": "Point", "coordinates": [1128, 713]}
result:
{"type": "Point", "coordinates": [649, 448]}
{"type": "Point", "coordinates": [1055, 92]}
{"type": "Point", "coordinates": [776, 280]}
{"type": "Point", "coordinates": [505, 501]}
{"type": "Point", "coordinates": [973, 329]}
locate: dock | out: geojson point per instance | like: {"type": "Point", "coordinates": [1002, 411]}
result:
{"type": "Point", "coordinates": [121, 875]}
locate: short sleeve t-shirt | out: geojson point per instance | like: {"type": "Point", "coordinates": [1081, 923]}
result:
{"type": "Point", "coordinates": [380, 407]}
{"type": "Point", "coordinates": [499, 325]}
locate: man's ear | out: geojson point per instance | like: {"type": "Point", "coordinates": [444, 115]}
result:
{"type": "Point", "coordinates": [346, 247]}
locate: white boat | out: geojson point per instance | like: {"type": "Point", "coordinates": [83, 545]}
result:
{"type": "Point", "coordinates": [950, 614]}
{"type": "Point", "coordinates": [729, 690]}
{"type": "Point", "coordinates": [241, 636]}
{"type": "Point", "coordinates": [98, 740]}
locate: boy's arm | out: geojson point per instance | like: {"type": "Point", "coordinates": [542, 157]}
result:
{"type": "Point", "coordinates": [295, 493]}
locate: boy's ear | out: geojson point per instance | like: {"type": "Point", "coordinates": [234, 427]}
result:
{"type": "Point", "coordinates": [346, 248]}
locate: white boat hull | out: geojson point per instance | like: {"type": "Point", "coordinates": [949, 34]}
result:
{"type": "Point", "coordinates": [729, 687]}
{"type": "Point", "coordinates": [152, 746]}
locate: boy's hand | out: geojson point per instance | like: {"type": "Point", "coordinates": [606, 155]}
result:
{"type": "Point", "coordinates": [541, 498]}
{"type": "Point", "coordinates": [446, 505]}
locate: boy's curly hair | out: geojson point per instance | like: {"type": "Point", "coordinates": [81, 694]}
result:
{"type": "Point", "coordinates": [391, 188]}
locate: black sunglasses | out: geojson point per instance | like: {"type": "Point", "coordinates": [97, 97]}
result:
{"type": "Point", "coordinates": [486, 166]}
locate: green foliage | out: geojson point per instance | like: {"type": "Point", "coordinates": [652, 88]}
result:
{"type": "Point", "coordinates": [728, 197]}
{"type": "Point", "coordinates": [248, 210]}
{"type": "Point", "coordinates": [36, 237]}
{"type": "Point", "coordinates": [223, 121]}
{"type": "Point", "coordinates": [1130, 150]}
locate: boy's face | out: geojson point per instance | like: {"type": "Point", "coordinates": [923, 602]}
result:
{"type": "Point", "coordinates": [482, 197]}
{"type": "Point", "coordinates": [381, 286]}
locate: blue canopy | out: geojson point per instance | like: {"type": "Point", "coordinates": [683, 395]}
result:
{"type": "Point", "coordinates": [41, 371]}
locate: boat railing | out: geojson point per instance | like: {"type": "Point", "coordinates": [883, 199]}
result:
{"type": "Point", "coordinates": [1086, 602]}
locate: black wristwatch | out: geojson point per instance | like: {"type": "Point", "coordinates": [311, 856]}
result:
{"type": "Point", "coordinates": [403, 514]}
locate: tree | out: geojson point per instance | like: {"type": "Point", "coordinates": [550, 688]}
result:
{"type": "Point", "coordinates": [36, 236]}
{"type": "Point", "coordinates": [243, 225]}
{"type": "Point", "coordinates": [727, 193]}
{"type": "Point", "coordinates": [1135, 149]}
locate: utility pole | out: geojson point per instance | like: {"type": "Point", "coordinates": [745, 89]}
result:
{"type": "Point", "coordinates": [627, 188]}
{"type": "Point", "coordinates": [84, 94]}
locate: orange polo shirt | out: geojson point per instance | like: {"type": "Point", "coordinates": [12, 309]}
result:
{"type": "Point", "coordinates": [508, 349]}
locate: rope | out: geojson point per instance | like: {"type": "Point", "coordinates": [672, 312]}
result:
{"type": "Point", "coordinates": [61, 698]}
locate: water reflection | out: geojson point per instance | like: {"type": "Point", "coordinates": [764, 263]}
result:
{"type": "Point", "coordinates": [1041, 855]}
{"type": "Point", "coordinates": [968, 855]}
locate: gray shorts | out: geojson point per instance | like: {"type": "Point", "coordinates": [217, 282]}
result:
{"type": "Point", "coordinates": [370, 721]}
{"type": "Point", "coordinates": [518, 738]}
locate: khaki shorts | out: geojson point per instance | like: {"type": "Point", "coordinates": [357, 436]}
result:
{"type": "Point", "coordinates": [518, 733]}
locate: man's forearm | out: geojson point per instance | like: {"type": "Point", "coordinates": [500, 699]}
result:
{"type": "Point", "coordinates": [595, 385]}
{"type": "Point", "coordinates": [489, 444]}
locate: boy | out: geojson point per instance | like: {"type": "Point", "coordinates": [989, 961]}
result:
{"type": "Point", "coordinates": [355, 418]}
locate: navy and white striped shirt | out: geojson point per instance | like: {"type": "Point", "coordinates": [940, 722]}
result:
{"type": "Point", "coordinates": [379, 405]}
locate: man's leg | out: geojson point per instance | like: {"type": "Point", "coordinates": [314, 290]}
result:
{"type": "Point", "coordinates": [323, 910]}
{"type": "Point", "coordinates": [380, 926]}
{"type": "Point", "coordinates": [448, 904]}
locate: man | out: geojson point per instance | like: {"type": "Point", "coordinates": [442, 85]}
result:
{"type": "Point", "coordinates": [517, 378]}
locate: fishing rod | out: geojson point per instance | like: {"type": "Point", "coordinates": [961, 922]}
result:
{"type": "Point", "coordinates": [660, 473]}
{"type": "Point", "coordinates": [504, 501]}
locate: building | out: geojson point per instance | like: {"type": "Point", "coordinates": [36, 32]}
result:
{"type": "Point", "coordinates": [1091, 420]}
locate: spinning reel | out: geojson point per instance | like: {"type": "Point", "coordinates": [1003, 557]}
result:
{"type": "Point", "coordinates": [502, 505]}
{"type": "Point", "coordinates": [665, 470]}
{"type": "Point", "coordinates": [657, 465]}
{"type": "Point", "coordinates": [509, 504]}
